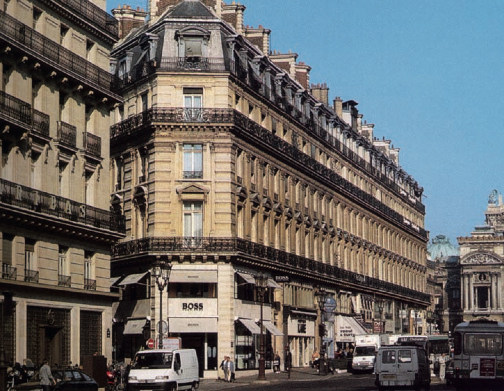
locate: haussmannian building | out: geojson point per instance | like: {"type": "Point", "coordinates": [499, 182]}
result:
{"type": "Point", "coordinates": [56, 226]}
{"type": "Point", "coordinates": [226, 162]}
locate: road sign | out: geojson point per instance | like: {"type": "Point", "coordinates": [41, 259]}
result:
{"type": "Point", "coordinates": [150, 343]}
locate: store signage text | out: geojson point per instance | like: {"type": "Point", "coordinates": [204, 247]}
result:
{"type": "Point", "coordinates": [192, 306]}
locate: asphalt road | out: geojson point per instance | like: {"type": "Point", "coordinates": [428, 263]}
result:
{"type": "Point", "coordinates": [306, 380]}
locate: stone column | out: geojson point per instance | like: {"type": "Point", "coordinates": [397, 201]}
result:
{"type": "Point", "coordinates": [465, 285]}
{"type": "Point", "coordinates": [493, 287]}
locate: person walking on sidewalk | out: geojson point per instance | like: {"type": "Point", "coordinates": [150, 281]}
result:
{"type": "Point", "coordinates": [442, 366]}
{"type": "Point", "coordinates": [276, 363]}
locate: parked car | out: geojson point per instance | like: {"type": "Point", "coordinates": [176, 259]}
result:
{"type": "Point", "coordinates": [67, 379]}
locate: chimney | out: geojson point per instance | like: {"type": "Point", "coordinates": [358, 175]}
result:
{"type": "Point", "coordinates": [321, 92]}
{"type": "Point", "coordinates": [233, 14]}
{"type": "Point", "coordinates": [338, 106]}
{"type": "Point", "coordinates": [286, 62]}
{"type": "Point", "coordinates": [259, 37]}
{"type": "Point", "coordinates": [128, 19]}
{"type": "Point", "coordinates": [303, 74]}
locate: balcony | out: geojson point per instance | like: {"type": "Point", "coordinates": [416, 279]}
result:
{"type": "Point", "coordinates": [9, 272]}
{"type": "Point", "coordinates": [31, 276]}
{"type": "Point", "coordinates": [54, 55]}
{"type": "Point", "coordinates": [21, 113]}
{"type": "Point", "coordinates": [92, 144]}
{"type": "Point", "coordinates": [67, 134]}
{"type": "Point", "coordinates": [52, 205]}
{"type": "Point", "coordinates": [89, 284]}
{"type": "Point", "coordinates": [274, 257]}
{"type": "Point", "coordinates": [193, 174]}
{"type": "Point", "coordinates": [65, 281]}
{"type": "Point", "coordinates": [91, 12]}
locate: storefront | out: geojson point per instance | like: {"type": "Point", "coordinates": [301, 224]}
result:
{"type": "Point", "coordinates": [301, 329]}
{"type": "Point", "coordinates": [346, 328]}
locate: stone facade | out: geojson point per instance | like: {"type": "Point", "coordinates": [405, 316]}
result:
{"type": "Point", "coordinates": [225, 164]}
{"type": "Point", "coordinates": [56, 227]}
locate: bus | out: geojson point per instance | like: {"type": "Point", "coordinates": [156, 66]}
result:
{"type": "Point", "coordinates": [433, 344]}
{"type": "Point", "coordinates": [477, 353]}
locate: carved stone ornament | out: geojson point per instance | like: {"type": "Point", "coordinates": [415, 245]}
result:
{"type": "Point", "coordinates": [481, 259]}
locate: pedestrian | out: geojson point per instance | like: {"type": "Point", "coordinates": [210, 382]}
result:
{"type": "Point", "coordinates": [46, 377]}
{"type": "Point", "coordinates": [315, 359]}
{"type": "Point", "coordinates": [442, 366]}
{"type": "Point", "coordinates": [276, 363]}
{"type": "Point", "coordinates": [228, 369]}
{"type": "Point", "coordinates": [288, 361]}
{"type": "Point", "coordinates": [232, 375]}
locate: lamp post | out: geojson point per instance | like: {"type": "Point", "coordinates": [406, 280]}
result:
{"type": "Point", "coordinates": [261, 282]}
{"type": "Point", "coordinates": [380, 308]}
{"type": "Point", "coordinates": [321, 299]}
{"type": "Point", "coordinates": [161, 272]}
{"type": "Point", "coordinates": [416, 323]}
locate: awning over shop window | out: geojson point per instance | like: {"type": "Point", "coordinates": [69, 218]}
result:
{"type": "Point", "coordinates": [132, 279]}
{"type": "Point", "coordinates": [113, 280]}
{"type": "Point", "coordinates": [346, 328]}
{"type": "Point", "coordinates": [273, 284]}
{"type": "Point", "coordinates": [250, 325]}
{"type": "Point", "coordinates": [249, 278]}
{"type": "Point", "coordinates": [272, 328]}
{"type": "Point", "coordinates": [134, 326]}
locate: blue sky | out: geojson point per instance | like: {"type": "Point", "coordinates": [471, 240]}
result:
{"type": "Point", "coordinates": [427, 73]}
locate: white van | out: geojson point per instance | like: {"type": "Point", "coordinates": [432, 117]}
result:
{"type": "Point", "coordinates": [402, 367]}
{"type": "Point", "coordinates": [164, 370]}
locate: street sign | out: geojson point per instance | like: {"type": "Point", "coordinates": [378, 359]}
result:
{"type": "Point", "coordinates": [162, 327]}
{"type": "Point", "coordinates": [150, 343]}
{"type": "Point", "coordinates": [329, 305]}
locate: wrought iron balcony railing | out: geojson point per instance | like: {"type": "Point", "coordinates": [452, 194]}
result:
{"type": "Point", "coordinates": [65, 281]}
{"type": "Point", "coordinates": [9, 272]}
{"type": "Point", "coordinates": [67, 134]}
{"type": "Point", "coordinates": [89, 284]}
{"type": "Point", "coordinates": [31, 276]}
{"type": "Point", "coordinates": [270, 255]}
{"type": "Point", "coordinates": [92, 144]}
{"type": "Point", "coordinates": [193, 174]}
{"type": "Point", "coordinates": [47, 49]}
{"type": "Point", "coordinates": [49, 204]}
{"type": "Point", "coordinates": [168, 64]}
{"type": "Point", "coordinates": [16, 109]}
{"type": "Point", "coordinates": [94, 14]}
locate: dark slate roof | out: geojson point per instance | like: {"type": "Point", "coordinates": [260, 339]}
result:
{"type": "Point", "coordinates": [190, 9]}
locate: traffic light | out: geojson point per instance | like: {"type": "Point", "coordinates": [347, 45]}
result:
{"type": "Point", "coordinates": [322, 330]}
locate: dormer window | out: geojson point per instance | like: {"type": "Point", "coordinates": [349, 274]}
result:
{"type": "Point", "coordinates": [193, 45]}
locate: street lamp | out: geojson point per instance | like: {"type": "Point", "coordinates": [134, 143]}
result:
{"type": "Point", "coordinates": [380, 308]}
{"type": "Point", "coordinates": [161, 272]}
{"type": "Point", "coordinates": [321, 299]}
{"type": "Point", "coordinates": [261, 282]}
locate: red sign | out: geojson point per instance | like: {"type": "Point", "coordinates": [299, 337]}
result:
{"type": "Point", "coordinates": [487, 367]}
{"type": "Point", "coordinates": [150, 343]}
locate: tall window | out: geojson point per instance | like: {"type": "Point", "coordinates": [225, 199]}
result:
{"type": "Point", "coordinates": [31, 275]}
{"type": "Point", "coordinates": [63, 269]}
{"type": "Point", "coordinates": [30, 254]}
{"type": "Point", "coordinates": [193, 104]}
{"type": "Point", "coordinates": [193, 219]}
{"type": "Point", "coordinates": [89, 282]}
{"type": "Point", "coordinates": [193, 161]}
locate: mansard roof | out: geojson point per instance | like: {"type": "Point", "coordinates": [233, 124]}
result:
{"type": "Point", "coordinates": [190, 9]}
